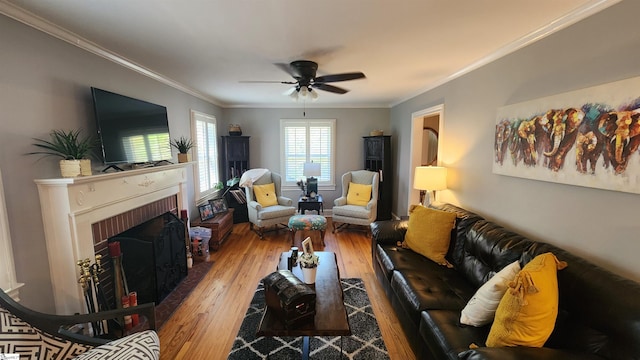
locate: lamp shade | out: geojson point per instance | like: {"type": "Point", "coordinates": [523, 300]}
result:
{"type": "Point", "coordinates": [430, 178]}
{"type": "Point", "coordinates": [311, 169]}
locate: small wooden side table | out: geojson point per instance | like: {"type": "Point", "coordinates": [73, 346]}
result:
{"type": "Point", "coordinates": [220, 226]}
{"type": "Point", "coordinates": [310, 204]}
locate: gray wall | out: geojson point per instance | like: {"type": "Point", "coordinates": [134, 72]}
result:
{"type": "Point", "coordinates": [263, 125]}
{"type": "Point", "coordinates": [598, 224]}
{"type": "Point", "coordinates": [45, 85]}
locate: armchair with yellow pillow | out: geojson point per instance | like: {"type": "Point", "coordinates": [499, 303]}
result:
{"type": "Point", "coordinates": [265, 204]}
{"type": "Point", "coordinates": [467, 288]}
{"type": "Point", "coordinates": [358, 204]}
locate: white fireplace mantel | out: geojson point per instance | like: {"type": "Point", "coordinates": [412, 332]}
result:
{"type": "Point", "coordinates": [8, 281]}
{"type": "Point", "coordinates": [71, 205]}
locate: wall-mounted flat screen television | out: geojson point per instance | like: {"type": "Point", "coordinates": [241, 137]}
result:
{"type": "Point", "coordinates": [131, 130]}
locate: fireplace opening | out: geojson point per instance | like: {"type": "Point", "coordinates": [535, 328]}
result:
{"type": "Point", "coordinates": [154, 257]}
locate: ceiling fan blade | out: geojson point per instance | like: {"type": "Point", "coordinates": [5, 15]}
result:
{"type": "Point", "coordinates": [339, 77]}
{"type": "Point", "coordinates": [267, 82]}
{"type": "Point", "coordinates": [330, 88]}
{"type": "Point", "coordinates": [287, 68]}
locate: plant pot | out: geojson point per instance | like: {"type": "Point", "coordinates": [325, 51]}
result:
{"type": "Point", "coordinates": [183, 158]}
{"type": "Point", "coordinates": [309, 275]}
{"type": "Point", "coordinates": [69, 168]}
{"type": "Point", "coordinates": [85, 167]}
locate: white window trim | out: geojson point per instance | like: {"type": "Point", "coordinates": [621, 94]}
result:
{"type": "Point", "coordinates": [326, 185]}
{"type": "Point", "coordinates": [203, 197]}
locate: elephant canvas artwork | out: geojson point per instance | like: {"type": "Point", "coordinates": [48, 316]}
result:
{"type": "Point", "coordinates": [588, 137]}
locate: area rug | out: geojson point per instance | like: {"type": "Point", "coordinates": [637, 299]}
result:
{"type": "Point", "coordinates": [170, 304]}
{"type": "Point", "coordinates": [365, 343]}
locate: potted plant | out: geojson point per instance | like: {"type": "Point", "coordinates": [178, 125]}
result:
{"type": "Point", "coordinates": [183, 145]}
{"type": "Point", "coordinates": [309, 265]}
{"type": "Point", "coordinates": [72, 148]}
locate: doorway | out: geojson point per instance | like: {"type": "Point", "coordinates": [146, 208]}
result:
{"type": "Point", "coordinates": [426, 130]}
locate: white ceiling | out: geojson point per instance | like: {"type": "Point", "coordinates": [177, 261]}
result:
{"type": "Point", "coordinates": [209, 46]}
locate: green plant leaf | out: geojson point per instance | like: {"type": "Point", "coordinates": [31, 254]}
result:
{"type": "Point", "coordinates": [67, 145]}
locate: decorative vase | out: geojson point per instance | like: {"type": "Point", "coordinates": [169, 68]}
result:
{"type": "Point", "coordinates": [85, 167]}
{"type": "Point", "coordinates": [309, 275]}
{"type": "Point", "coordinates": [69, 168]}
{"type": "Point", "coordinates": [235, 130]}
{"type": "Point", "coordinates": [183, 158]}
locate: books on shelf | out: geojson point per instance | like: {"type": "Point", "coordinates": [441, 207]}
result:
{"type": "Point", "coordinates": [239, 195]}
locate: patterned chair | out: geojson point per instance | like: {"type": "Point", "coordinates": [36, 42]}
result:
{"type": "Point", "coordinates": [273, 215]}
{"type": "Point", "coordinates": [346, 213]}
{"type": "Point", "coordinates": [38, 336]}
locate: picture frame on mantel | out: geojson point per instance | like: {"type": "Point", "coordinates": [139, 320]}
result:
{"type": "Point", "coordinates": [588, 137]}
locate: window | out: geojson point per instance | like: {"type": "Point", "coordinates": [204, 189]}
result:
{"type": "Point", "coordinates": [308, 141]}
{"type": "Point", "coordinates": [206, 151]}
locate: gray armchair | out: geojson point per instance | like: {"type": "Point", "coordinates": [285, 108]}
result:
{"type": "Point", "coordinates": [354, 214]}
{"type": "Point", "coordinates": [274, 215]}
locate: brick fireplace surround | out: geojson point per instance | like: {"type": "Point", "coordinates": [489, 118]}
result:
{"type": "Point", "coordinates": [115, 225]}
{"type": "Point", "coordinates": [80, 214]}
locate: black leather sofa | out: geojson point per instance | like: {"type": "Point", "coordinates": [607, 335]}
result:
{"type": "Point", "coordinates": [599, 312]}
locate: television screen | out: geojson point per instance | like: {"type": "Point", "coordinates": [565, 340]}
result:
{"type": "Point", "coordinates": [131, 130]}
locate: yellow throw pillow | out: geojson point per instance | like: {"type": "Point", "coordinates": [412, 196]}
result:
{"type": "Point", "coordinates": [358, 194]}
{"type": "Point", "coordinates": [265, 194]}
{"type": "Point", "coordinates": [527, 312]}
{"type": "Point", "coordinates": [429, 232]}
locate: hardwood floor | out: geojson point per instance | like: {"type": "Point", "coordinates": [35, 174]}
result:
{"type": "Point", "coordinates": [205, 325]}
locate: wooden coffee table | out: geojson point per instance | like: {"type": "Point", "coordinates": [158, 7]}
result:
{"type": "Point", "coordinates": [331, 314]}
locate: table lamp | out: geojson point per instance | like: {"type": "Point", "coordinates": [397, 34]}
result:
{"type": "Point", "coordinates": [310, 170]}
{"type": "Point", "coordinates": [429, 178]}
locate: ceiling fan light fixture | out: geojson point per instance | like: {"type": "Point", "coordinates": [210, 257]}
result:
{"type": "Point", "coordinates": [313, 94]}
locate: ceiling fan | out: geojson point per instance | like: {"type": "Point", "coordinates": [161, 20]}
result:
{"type": "Point", "coordinates": [304, 73]}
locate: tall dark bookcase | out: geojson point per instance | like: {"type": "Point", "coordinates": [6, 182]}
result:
{"type": "Point", "coordinates": [235, 161]}
{"type": "Point", "coordinates": [235, 156]}
{"type": "Point", "coordinates": [377, 157]}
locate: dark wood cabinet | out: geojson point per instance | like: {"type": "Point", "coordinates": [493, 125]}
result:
{"type": "Point", "coordinates": [235, 156]}
{"type": "Point", "coordinates": [235, 161]}
{"type": "Point", "coordinates": [377, 157]}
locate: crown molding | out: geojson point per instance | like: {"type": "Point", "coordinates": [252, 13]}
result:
{"type": "Point", "coordinates": [19, 14]}
{"type": "Point", "coordinates": [571, 18]}
{"type": "Point", "coordinates": [30, 19]}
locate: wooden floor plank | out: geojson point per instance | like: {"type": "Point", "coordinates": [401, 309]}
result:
{"type": "Point", "coordinates": [205, 325]}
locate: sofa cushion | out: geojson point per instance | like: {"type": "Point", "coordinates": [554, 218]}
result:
{"type": "Point", "coordinates": [464, 220]}
{"type": "Point", "coordinates": [444, 334]}
{"type": "Point", "coordinates": [385, 260]}
{"type": "Point", "coordinates": [429, 232]}
{"type": "Point", "coordinates": [584, 323]}
{"type": "Point", "coordinates": [353, 211]}
{"type": "Point", "coordinates": [143, 345]}
{"type": "Point", "coordinates": [427, 285]}
{"type": "Point", "coordinates": [527, 312]}
{"type": "Point", "coordinates": [487, 249]}
{"type": "Point", "coordinates": [524, 353]}
{"type": "Point", "coordinates": [481, 309]}
{"type": "Point", "coordinates": [276, 211]}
